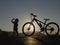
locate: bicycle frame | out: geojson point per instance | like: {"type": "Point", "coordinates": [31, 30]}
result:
{"type": "Point", "coordinates": [36, 20]}
{"type": "Point", "coordinates": [43, 27]}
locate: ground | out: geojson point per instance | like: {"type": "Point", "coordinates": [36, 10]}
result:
{"type": "Point", "coordinates": [6, 38]}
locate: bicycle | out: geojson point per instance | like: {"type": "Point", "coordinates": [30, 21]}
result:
{"type": "Point", "coordinates": [50, 28]}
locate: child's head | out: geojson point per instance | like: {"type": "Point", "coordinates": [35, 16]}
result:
{"type": "Point", "coordinates": [16, 19]}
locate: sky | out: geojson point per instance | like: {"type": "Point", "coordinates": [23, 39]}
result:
{"type": "Point", "coordinates": [21, 9]}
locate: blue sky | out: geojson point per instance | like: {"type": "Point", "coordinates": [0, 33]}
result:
{"type": "Point", "coordinates": [22, 8]}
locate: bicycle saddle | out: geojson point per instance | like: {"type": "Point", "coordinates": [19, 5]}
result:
{"type": "Point", "coordinates": [46, 19]}
{"type": "Point", "coordinates": [33, 14]}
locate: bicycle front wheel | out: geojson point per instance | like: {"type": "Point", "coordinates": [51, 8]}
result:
{"type": "Point", "coordinates": [52, 29]}
{"type": "Point", "coordinates": [28, 29]}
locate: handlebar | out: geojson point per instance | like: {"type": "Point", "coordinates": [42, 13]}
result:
{"type": "Point", "coordinates": [33, 15]}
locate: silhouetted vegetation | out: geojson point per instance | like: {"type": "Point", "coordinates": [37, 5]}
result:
{"type": "Point", "coordinates": [5, 39]}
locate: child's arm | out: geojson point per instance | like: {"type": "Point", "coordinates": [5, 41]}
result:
{"type": "Point", "coordinates": [13, 20]}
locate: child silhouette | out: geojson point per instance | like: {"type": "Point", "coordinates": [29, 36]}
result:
{"type": "Point", "coordinates": [15, 28]}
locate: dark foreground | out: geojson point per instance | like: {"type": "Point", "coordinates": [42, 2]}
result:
{"type": "Point", "coordinates": [37, 39]}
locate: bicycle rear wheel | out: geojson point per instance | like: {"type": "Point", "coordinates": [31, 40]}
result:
{"type": "Point", "coordinates": [52, 29]}
{"type": "Point", "coordinates": [28, 29]}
